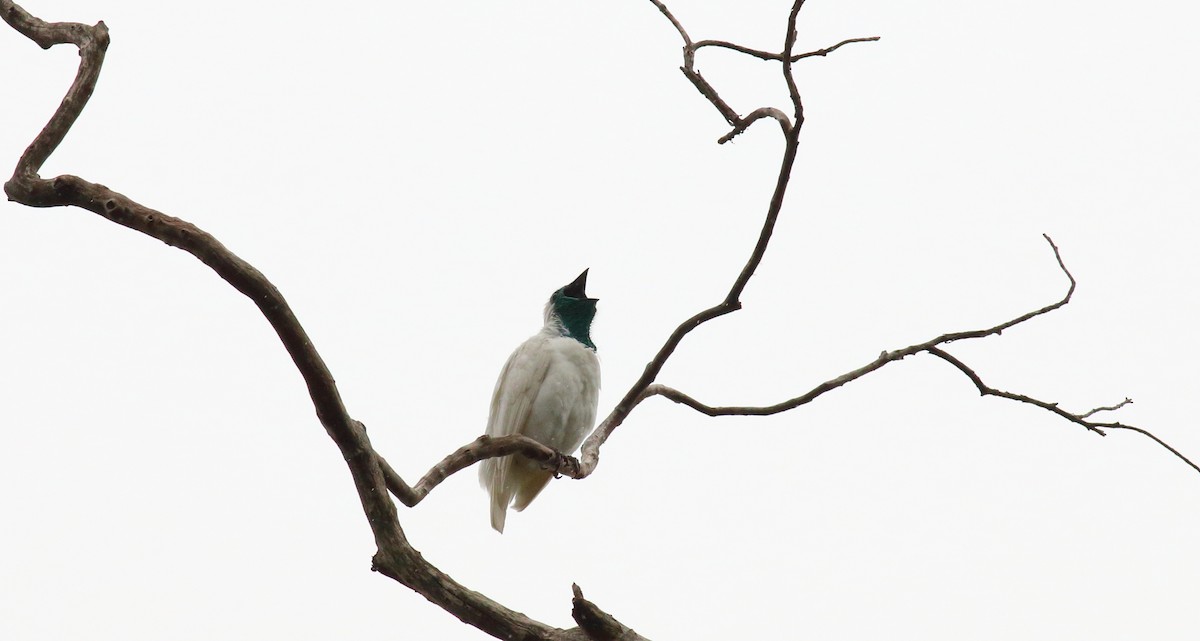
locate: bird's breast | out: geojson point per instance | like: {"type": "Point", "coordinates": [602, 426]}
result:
{"type": "Point", "coordinates": [564, 410]}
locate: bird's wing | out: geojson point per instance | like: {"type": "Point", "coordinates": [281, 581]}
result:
{"type": "Point", "coordinates": [512, 403]}
{"type": "Point", "coordinates": [518, 386]}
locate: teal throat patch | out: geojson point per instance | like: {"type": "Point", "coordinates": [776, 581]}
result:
{"type": "Point", "coordinates": [575, 316]}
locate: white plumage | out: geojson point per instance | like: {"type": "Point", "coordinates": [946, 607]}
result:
{"type": "Point", "coordinates": [548, 391]}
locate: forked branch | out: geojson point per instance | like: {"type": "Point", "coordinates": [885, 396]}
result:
{"type": "Point", "coordinates": [590, 453]}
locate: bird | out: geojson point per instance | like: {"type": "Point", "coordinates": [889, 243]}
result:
{"type": "Point", "coordinates": [548, 390]}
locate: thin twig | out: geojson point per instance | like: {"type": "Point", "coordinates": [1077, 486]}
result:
{"type": "Point", "coordinates": [828, 50]}
{"type": "Point", "coordinates": [1122, 426]}
{"type": "Point", "coordinates": [1109, 408]}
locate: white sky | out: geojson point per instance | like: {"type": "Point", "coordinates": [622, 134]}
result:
{"type": "Point", "coordinates": [418, 177]}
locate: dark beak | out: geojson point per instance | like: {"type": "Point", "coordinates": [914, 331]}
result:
{"type": "Point", "coordinates": [575, 289]}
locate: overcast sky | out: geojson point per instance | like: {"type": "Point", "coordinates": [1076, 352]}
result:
{"type": "Point", "coordinates": [418, 177]}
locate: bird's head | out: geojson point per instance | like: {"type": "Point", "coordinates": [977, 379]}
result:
{"type": "Point", "coordinates": [573, 310]}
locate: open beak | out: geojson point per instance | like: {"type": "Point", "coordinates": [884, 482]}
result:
{"type": "Point", "coordinates": [575, 289]}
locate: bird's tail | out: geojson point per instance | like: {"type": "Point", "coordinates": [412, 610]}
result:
{"type": "Point", "coordinates": [499, 509]}
{"type": "Point", "coordinates": [493, 475]}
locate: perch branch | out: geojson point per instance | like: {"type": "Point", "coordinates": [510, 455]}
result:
{"type": "Point", "coordinates": [482, 448]}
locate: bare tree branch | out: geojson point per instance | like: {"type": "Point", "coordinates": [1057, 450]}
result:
{"type": "Point", "coordinates": [757, 53]}
{"type": "Point", "coordinates": [883, 359]}
{"type": "Point", "coordinates": [789, 43]}
{"type": "Point", "coordinates": [480, 449]}
{"type": "Point", "coordinates": [766, 55]}
{"type": "Point", "coordinates": [828, 50]}
{"type": "Point", "coordinates": [1109, 408]}
{"type": "Point", "coordinates": [597, 624]}
{"type": "Point", "coordinates": [590, 452]}
{"type": "Point", "coordinates": [92, 43]}
{"type": "Point", "coordinates": [1080, 419]}
{"type": "Point", "coordinates": [932, 347]}
{"type": "Point", "coordinates": [762, 112]}
{"type": "Point", "coordinates": [984, 390]}
{"type": "Point", "coordinates": [728, 113]}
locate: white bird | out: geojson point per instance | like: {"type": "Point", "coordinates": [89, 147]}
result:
{"type": "Point", "coordinates": [548, 391]}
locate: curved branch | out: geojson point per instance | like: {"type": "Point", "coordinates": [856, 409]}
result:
{"type": "Point", "coordinates": [482, 448]}
{"type": "Point", "coordinates": [92, 43]}
{"type": "Point", "coordinates": [763, 112]}
{"type": "Point", "coordinates": [1147, 434]}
